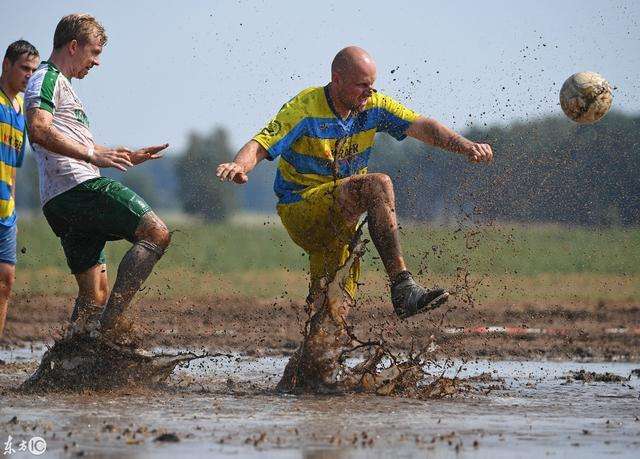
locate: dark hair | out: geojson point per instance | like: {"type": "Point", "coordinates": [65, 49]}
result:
{"type": "Point", "coordinates": [18, 48]}
{"type": "Point", "coordinates": [79, 27]}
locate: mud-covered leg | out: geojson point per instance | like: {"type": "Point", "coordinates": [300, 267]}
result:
{"type": "Point", "coordinates": [152, 238]}
{"type": "Point", "coordinates": [317, 364]}
{"type": "Point", "coordinates": [373, 194]}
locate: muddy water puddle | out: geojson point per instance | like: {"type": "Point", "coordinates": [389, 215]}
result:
{"type": "Point", "coordinates": [226, 407]}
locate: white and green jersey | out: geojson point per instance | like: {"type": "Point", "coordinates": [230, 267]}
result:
{"type": "Point", "coordinates": [50, 90]}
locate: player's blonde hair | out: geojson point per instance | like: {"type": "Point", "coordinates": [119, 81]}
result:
{"type": "Point", "coordinates": [79, 27]}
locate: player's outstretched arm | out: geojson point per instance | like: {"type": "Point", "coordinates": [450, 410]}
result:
{"type": "Point", "coordinates": [244, 162]}
{"type": "Point", "coordinates": [42, 132]}
{"type": "Point", "coordinates": [434, 133]}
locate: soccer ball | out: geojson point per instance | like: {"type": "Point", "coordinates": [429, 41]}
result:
{"type": "Point", "coordinates": [585, 97]}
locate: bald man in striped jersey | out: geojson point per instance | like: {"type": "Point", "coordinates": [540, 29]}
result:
{"type": "Point", "coordinates": [324, 137]}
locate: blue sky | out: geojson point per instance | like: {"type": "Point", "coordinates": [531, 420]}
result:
{"type": "Point", "coordinates": [173, 67]}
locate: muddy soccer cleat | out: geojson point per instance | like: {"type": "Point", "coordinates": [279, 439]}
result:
{"type": "Point", "coordinates": [409, 298]}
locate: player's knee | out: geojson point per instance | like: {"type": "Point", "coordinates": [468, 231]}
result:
{"type": "Point", "coordinates": [381, 183]}
{"type": "Point", "coordinates": [7, 279]}
{"type": "Point", "coordinates": [152, 229]}
{"type": "Point", "coordinates": [161, 235]}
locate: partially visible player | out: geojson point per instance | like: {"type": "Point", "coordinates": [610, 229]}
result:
{"type": "Point", "coordinates": [84, 209]}
{"type": "Point", "coordinates": [20, 61]}
{"type": "Point", "coordinates": [324, 137]}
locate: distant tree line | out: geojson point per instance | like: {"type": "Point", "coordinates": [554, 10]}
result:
{"type": "Point", "coordinates": [545, 170]}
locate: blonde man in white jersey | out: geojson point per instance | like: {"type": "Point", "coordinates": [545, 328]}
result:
{"type": "Point", "coordinates": [84, 209]}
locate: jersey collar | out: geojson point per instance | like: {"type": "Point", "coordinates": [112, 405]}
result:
{"type": "Point", "coordinates": [15, 99]}
{"type": "Point", "coordinates": [327, 95]}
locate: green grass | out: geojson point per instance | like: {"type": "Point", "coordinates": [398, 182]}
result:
{"type": "Point", "coordinates": [260, 260]}
{"type": "Point", "coordinates": [529, 250]}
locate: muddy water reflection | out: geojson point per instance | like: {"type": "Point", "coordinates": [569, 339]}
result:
{"type": "Point", "coordinates": [226, 407]}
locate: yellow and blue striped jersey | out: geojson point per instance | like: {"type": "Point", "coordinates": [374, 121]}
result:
{"type": "Point", "coordinates": [12, 144]}
{"type": "Point", "coordinates": [316, 146]}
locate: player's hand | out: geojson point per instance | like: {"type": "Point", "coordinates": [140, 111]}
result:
{"type": "Point", "coordinates": [112, 157]}
{"type": "Point", "coordinates": [479, 152]}
{"type": "Point", "coordinates": [231, 172]}
{"type": "Point", "coordinates": [144, 154]}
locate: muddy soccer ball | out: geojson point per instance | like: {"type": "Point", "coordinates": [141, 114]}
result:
{"type": "Point", "coordinates": [585, 97]}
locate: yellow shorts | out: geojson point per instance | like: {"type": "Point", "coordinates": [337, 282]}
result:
{"type": "Point", "coordinates": [316, 224]}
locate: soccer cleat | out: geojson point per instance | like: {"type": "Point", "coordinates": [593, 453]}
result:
{"type": "Point", "coordinates": [409, 298]}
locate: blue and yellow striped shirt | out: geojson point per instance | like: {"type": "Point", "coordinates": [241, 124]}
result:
{"type": "Point", "coordinates": [13, 132]}
{"type": "Point", "coordinates": [316, 146]}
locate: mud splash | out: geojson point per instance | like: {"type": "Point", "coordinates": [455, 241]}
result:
{"type": "Point", "coordinates": [320, 364]}
{"type": "Point", "coordinates": [83, 362]}
{"type": "Point", "coordinates": [592, 376]}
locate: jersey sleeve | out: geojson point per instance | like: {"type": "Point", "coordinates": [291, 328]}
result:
{"type": "Point", "coordinates": [42, 91]}
{"type": "Point", "coordinates": [283, 130]}
{"type": "Point", "coordinates": [393, 117]}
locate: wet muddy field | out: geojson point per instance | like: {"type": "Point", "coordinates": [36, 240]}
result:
{"type": "Point", "coordinates": [227, 407]}
{"type": "Point", "coordinates": [566, 331]}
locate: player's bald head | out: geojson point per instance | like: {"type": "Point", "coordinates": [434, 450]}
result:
{"type": "Point", "coordinates": [352, 59]}
{"type": "Point", "coordinates": [353, 73]}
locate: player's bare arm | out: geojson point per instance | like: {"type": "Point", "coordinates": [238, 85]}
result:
{"type": "Point", "coordinates": [244, 162]}
{"type": "Point", "coordinates": [42, 132]}
{"type": "Point", "coordinates": [434, 133]}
